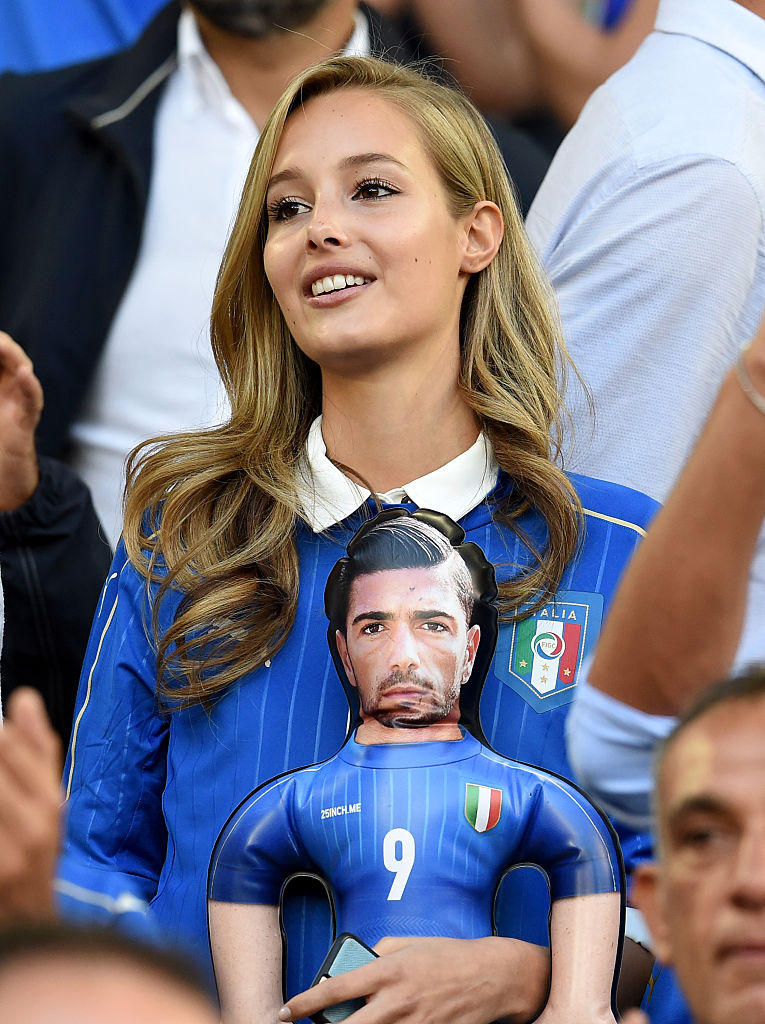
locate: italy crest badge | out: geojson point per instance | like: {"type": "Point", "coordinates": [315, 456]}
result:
{"type": "Point", "coordinates": [540, 657]}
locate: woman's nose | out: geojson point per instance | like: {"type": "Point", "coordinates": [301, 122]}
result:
{"type": "Point", "coordinates": [325, 228]}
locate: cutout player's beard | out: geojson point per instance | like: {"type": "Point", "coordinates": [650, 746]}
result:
{"type": "Point", "coordinates": [430, 705]}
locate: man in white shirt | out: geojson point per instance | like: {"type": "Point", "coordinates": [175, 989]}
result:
{"type": "Point", "coordinates": [119, 182]}
{"type": "Point", "coordinates": [651, 224]}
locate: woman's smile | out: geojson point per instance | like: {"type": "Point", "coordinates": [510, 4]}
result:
{"type": "Point", "coordinates": [333, 278]}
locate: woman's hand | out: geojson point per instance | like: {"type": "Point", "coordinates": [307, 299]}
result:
{"type": "Point", "coordinates": [437, 980]}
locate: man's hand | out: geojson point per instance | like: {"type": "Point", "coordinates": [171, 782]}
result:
{"type": "Point", "coordinates": [432, 980]}
{"type": "Point", "coordinates": [30, 808]}
{"type": "Point", "coordinates": [21, 402]}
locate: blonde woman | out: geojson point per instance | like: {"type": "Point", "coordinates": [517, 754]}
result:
{"type": "Point", "coordinates": [380, 325]}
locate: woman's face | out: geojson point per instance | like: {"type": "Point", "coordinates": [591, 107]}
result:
{"type": "Point", "coordinates": [363, 254]}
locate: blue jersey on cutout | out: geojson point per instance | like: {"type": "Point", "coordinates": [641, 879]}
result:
{"type": "Point", "coordinates": [413, 837]}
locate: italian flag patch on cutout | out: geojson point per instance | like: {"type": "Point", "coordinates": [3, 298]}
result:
{"type": "Point", "coordinates": [483, 806]}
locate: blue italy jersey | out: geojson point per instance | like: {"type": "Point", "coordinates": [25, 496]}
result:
{"type": "Point", "coordinates": [149, 792]}
{"type": "Point", "coordinates": [413, 837]}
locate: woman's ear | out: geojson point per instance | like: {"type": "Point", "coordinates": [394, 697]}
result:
{"type": "Point", "coordinates": [484, 228]}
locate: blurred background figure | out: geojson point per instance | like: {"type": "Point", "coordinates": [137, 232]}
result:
{"type": "Point", "coordinates": [532, 63]}
{"type": "Point", "coordinates": [92, 976]}
{"type": "Point", "coordinates": [651, 225]}
{"type": "Point", "coordinates": [38, 35]}
{"type": "Point", "coordinates": [575, 48]}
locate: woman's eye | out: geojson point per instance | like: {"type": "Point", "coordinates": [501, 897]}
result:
{"type": "Point", "coordinates": [373, 188]}
{"type": "Point", "coordinates": [286, 208]}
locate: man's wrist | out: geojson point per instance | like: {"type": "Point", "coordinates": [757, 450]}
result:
{"type": "Point", "coordinates": [18, 482]}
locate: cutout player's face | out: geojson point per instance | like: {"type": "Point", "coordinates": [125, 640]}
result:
{"type": "Point", "coordinates": [407, 646]}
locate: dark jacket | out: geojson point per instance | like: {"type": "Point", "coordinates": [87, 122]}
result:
{"type": "Point", "coordinates": [53, 562]}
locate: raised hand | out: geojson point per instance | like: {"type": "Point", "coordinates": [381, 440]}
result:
{"type": "Point", "coordinates": [21, 402]}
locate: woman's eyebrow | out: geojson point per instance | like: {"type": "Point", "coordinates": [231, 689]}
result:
{"type": "Point", "coordinates": [288, 174]}
{"type": "Point", "coordinates": [357, 160]}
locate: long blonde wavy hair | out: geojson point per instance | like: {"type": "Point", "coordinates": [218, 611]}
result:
{"type": "Point", "coordinates": [212, 513]}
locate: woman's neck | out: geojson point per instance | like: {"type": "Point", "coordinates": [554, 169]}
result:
{"type": "Point", "coordinates": [389, 433]}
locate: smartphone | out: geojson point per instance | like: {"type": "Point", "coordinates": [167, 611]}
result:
{"type": "Point", "coordinates": [346, 953]}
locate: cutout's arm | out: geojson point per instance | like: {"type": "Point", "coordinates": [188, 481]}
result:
{"type": "Point", "coordinates": [584, 932]}
{"type": "Point", "coordinates": [247, 953]}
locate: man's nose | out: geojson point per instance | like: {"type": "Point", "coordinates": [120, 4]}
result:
{"type": "Point", "coordinates": [404, 654]}
{"type": "Point", "coordinates": [749, 869]}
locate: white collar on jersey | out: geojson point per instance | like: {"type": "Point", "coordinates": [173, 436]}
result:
{"type": "Point", "coordinates": [328, 496]}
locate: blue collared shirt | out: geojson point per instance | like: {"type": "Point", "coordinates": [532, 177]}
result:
{"type": "Point", "coordinates": [651, 224]}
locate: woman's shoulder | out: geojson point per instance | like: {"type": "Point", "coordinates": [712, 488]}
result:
{"type": "Point", "coordinates": [600, 499]}
{"type": "Point", "coordinates": [614, 503]}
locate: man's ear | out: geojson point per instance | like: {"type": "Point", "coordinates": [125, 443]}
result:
{"type": "Point", "coordinates": [484, 229]}
{"type": "Point", "coordinates": [473, 640]}
{"type": "Point", "coordinates": [647, 896]}
{"type": "Point", "coordinates": [342, 648]}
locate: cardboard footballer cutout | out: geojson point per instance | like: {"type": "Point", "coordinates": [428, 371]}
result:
{"type": "Point", "coordinates": [415, 821]}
